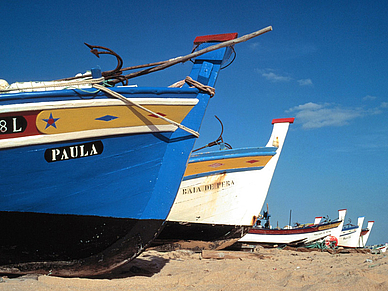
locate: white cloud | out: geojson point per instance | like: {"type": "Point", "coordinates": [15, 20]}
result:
{"type": "Point", "coordinates": [312, 115]}
{"type": "Point", "coordinates": [384, 105]}
{"type": "Point", "coordinates": [275, 78]}
{"type": "Point", "coordinates": [369, 97]}
{"type": "Point", "coordinates": [254, 45]}
{"type": "Point", "coordinates": [305, 82]}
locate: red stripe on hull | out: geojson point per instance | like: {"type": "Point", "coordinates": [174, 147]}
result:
{"type": "Point", "coordinates": [283, 231]}
{"type": "Point", "coordinates": [294, 230]}
{"type": "Point", "coordinates": [30, 129]}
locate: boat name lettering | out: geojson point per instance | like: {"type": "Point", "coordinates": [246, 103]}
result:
{"type": "Point", "coordinates": [12, 124]}
{"type": "Point", "coordinates": [328, 232]}
{"type": "Point", "coordinates": [207, 187]}
{"type": "Point", "coordinates": [74, 151]}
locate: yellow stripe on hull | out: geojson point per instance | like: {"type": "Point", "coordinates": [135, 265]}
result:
{"type": "Point", "coordinates": [226, 164]}
{"type": "Point", "coordinates": [333, 225]}
{"type": "Point", "coordinates": [102, 117]}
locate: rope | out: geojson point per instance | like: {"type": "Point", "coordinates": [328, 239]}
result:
{"type": "Point", "coordinates": [207, 89]}
{"type": "Point", "coordinates": [129, 102]}
{"type": "Point", "coordinates": [55, 84]}
{"type": "Point", "coordinates": [210, 90]}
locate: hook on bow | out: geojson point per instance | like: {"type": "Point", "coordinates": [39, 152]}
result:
{"type": "Point", "coordinates": [219, 141]}
{"type": "Point", "coordinates": [115, 73]}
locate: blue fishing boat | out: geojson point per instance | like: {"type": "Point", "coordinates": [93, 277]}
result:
{"type": "Point", "coordinates": [90, 169]}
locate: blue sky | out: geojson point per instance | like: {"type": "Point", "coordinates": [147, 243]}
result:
{"type": "Point", "coordinates": [324, 64]}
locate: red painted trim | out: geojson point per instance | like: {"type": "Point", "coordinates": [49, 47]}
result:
{"type": "Point", "coordinates": [31, 124]}
{"type": "Point", "coordinates": [371, 221]}
{"type": "Point", "coordinates": [308, 229]}
{"type": "Point", "coordinates": [283, 120]}
{"type": "Point", "coordinates": [283, 231]}
{"type": "Point", "coordinates": [342, 209]}
{"type": "Point", "coordinates": [215, 38]}
{"type": "Point", "coordinates": [364, 232]}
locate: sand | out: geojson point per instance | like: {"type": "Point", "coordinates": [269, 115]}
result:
{"type": "Point", "coordinates": [262, 269]}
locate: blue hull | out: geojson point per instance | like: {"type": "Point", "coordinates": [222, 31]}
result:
{"type": "Point", "coordinates": [95, 200]}
{"type": "Point", "coordinates": [117, 183]}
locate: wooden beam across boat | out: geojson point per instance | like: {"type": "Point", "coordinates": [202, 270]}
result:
{"type": "Point", "coordinates": [182, 59]}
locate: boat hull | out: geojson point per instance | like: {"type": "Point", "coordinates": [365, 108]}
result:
{"type": "Point", "coordinates": [94, 194]}
{"type": "Point", "coordinates": [91, 179]}
{"type": "Point", "coordinates": [43, 238]}
{"type": "Point", "coordinates": [175, 231]}
{"type": "Point", "coordinates": [84, 176]}
{"type": "Point", "coordinates": [303, 235]}
{"type": "Point", "coordinates": [365, 235]}
{"type": "Point", "coordinates": [213, 199]}
{"type": "Point", "coordinates": [350, 234]}
{"type": "Point", "coordinates": [223, 192]}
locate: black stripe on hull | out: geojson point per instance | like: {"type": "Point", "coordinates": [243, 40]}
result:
{"type": "Point", "coordinates": [174, 231]}
{"type": "Point", "coordinates": [70, 245]}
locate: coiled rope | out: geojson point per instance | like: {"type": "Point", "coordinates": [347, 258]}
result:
{"type": "Point", "coordinates": [52, 84]}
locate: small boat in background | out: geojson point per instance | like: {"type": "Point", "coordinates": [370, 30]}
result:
{"type": "Point", "coordinates": [382, 248]}
{"type": "Point", "coordinates": [300, 235]}
{"type": "Point", "coordinates": [222, 191]}
{"type": "Point", "coordinates": [89, 170]}
{"type": "Point", "coordinates": [364, 235]}
{"type": "Point", "coordinates": [350, 234]}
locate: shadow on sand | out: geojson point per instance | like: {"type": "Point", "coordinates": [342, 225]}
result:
{"type": "Point", "coordinates": [146, 266]}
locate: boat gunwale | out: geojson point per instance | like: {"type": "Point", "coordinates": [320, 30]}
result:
{"type": "Point", "coordinates": [186, 92]}
{"type": "Point", "coordinates": [233, 153]}
{"type": "Point", "coordinates": [294, 231]}
{"type": "Point", "coordinates": [70, 104]}
{"type": "Point", "coordinates": [349, 227]}
{"type": "Point", "coordinates": [224, 171]}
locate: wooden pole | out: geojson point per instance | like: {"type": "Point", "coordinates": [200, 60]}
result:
{"type": "Point", "coordinates": [181, 59]}
{"type": "Point", "coordinates": [268, 216]}
{"type": "Point", "coordinates": [289, 223]}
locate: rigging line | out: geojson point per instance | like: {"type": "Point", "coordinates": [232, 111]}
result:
{"type": "Point", "coordinates": [130, 102]}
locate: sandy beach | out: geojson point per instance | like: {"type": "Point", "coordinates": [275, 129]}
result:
{"type": "Point", "coordinates": [261, 269]}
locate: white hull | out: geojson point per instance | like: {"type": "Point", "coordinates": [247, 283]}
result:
{"type": "Point", "coordinates": [364, 238]}
{"type": "Point", "coordinates": [230, 197]}
{"type": "Point", "coordinates": [349, 237]}
{"type": "Point", "coordinates": [291, 236]}
{"type": "Point", "coordinates": [221, 205]}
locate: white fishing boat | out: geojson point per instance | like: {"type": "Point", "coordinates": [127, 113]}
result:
{"type": "Point", "coordinates": [353, 235]}
{"type": "Point", "coordinates": [300, 235]}
{"type": "Point", "coordinates": [365, 232]}
{"type": "Point", "coordinates": [350, 234]}
{"type": "Point", "coordinates": [382, 248]}
{"type": "Point", "coordinates": [222, 192]}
